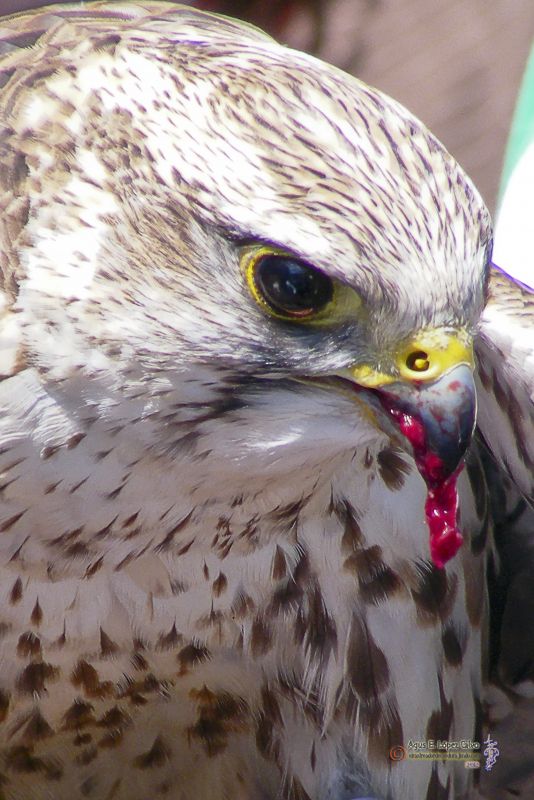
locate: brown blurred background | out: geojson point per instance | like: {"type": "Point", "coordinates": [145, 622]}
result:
{"type": "Point", "coordinates": [457, 64]}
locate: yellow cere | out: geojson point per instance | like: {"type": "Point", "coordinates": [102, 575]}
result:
{"type": "Point", "coordinates": [432, 353]}
{"type": "Point", "coordinates": [344, 305]}
{"type": "Point", "coordinates": [426, 357]}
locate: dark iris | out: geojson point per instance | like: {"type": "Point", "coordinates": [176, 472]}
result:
{"type": "Point", "coordinates": [291, 286]}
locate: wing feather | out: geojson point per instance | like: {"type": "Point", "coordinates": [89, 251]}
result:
{"type": "Point", "coordinates": [505, 355]}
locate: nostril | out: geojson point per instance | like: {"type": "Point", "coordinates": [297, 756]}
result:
{"type": "Point", "coordinates": [418, 361]}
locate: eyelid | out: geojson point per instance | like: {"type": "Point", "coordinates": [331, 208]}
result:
{"type": "Point", "coordinates": [250, 261]}
{"type": "Point", "coordinates": [346, 304]}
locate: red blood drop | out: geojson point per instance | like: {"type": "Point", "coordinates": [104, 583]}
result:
{"type": "Point", "coordinates": [441, 507]}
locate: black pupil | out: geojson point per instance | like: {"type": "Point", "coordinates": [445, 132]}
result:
{"type": "Point", "coordinates": [292, 287]}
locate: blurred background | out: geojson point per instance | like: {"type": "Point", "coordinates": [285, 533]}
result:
{"type": "Point", "coordinates": [457, 64]}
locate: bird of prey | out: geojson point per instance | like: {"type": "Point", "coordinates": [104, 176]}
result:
{"type": "Point", "coordinates": [242, 321]}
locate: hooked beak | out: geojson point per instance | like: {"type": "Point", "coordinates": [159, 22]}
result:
{"type": "Point", "coordinates": [430, 399]}
{"type": "Point", "coordinates": [438, 419]}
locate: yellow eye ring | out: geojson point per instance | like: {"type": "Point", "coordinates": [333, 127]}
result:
{"type": "Point", "coordinates": [286, 286]}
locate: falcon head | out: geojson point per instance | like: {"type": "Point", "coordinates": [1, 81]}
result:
{"type": "Point", "coordinates": [219, 223]}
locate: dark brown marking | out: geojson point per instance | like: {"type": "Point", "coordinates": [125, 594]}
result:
{"type": "Point", "coordinates": [367, 668]}
{"type": "Point", "coordinates": [184, 548]}
{"type": "Point", "coordinates": [393, 468]}
{"type": "Point", "coordinates": [8, 524]}
{"type": "Point", "coordinates": [139, 662]}
{"type": "Point", "coordinates": [32, 679]}
{"type": "Point", "coordinates": [75, 440]}
{"type": "Point", "coordinates": [76, 486]}
{"type": "Point", "coordinates": [376, 580]}
{"type": "Point", "coordinates": [78, 715]}
{"type": "Point", "coordinates": [191, 655]}
{"type": "Point", "coordinates": [267, 742]}
{"type": "Point", "coordinates": [115, 717]}
{"type": "Point", "coordinates": [128, 558]}
{"type": "Point", "coordinates": [131, 519]}
{"type": "Point", "coordinates": [77, 550]}
{"type": "Point", "coordinates": [60, 641]}
{"type": "Point", "coordinates": [434, 593]}
{"type": "Point", "coordinates": [20, 759]}
{"type": "Point", "coordinates": [111, 739]}
{"type": "Point", "coordinates": [16, 554]}
{"type": "Point", "coordinates": [152, 684]}
{"type": "Point", "coordinates": [107, 645]}
{"type": "Point", "coordinates": [137, 699]}
{"type": "Point", "coordinates": [314, 627]}
{"type": "Point", "coordinates": [116, 492]}
{"type": "Point", "coordinates": [105, 531]}
{"type": "Point", "coordinates": [242, 606]}
{"type": "Point", "coordinates": [286, 596]}
{"type": "Point", "coordinates": [28, 645]}
{"type": "Point", "coordinates": [158, 755]}
{"type": "Point", "coordinates": [439, 723]}
{"type": "Point", "coordinates": [219, 714]}
{"type": "Point", "coordinates": [16, 592]}
{"type": "Point", "coordinates": [4, 704]}
{"type": "Point", "coordinates": [352, 538]}
{"type": "Point", "coordinates": [82, 739]}
{"type": "Point", "coordinates": [84, 675]}
{"type": "Point", "coordinates": [453, 645]}
{"type": "Point", "coordinates": [270, 706]}
{"type": "Point", "coordinates": [219, 585]}
{"type": "Point", "coordinates": [381, 721]}
{"type": "Point", "coordinates": [211, 733]}
{"type": "Point", "coordinates": [279, 566]}
{"type": "Point", "coordinates": [93, 568]}
{"type": "Point", "coordinates": [260, 637]}
{"type": "Point", "coordinates": [86, 756]}
{"type": "Point", "coordinates": [69, 537]}
{"type": "Point", "coordinates": [170, 640]}
{"type": "Point", "coordinates": [287, 516]}
{"type": "Point", "coordinates": [34, 728]}
{"type": "Point", "coordinates": [37, 614]}
{"type": "Point", "coordinates": [169, 536]}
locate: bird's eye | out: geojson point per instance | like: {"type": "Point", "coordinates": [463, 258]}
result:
{"type": "Point", "coordinates": [287, 286]}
